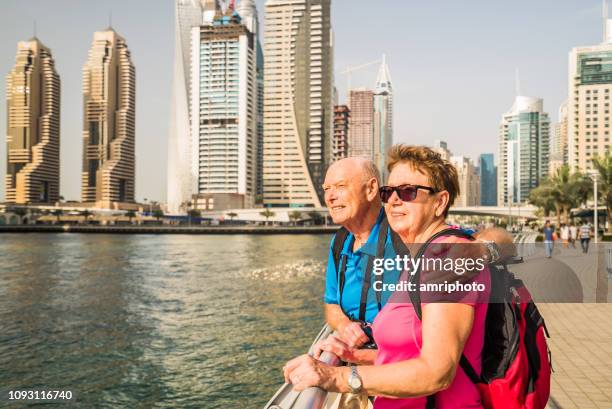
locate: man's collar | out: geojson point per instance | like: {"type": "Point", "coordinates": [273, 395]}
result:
{"type": "Point", "coordinates": [370, 247]}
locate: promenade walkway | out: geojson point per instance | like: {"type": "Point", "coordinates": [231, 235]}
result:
{"type": "Point", "coordinates": [572, 290]}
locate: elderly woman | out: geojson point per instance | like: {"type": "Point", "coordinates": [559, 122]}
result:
{"type": "Point", "coordinates": [417, 361]}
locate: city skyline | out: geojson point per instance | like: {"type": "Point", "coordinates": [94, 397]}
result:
{"type": "Point", "coordinates": [416, 108]}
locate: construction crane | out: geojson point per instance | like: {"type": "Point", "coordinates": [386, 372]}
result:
{"type": "Point", "coordinates": [348, 71]}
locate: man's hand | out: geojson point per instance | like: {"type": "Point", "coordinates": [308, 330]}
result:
{"type": "Point", "coordinates": [336, 346]}
{"type": "Point", "coordinates": [352, 334]}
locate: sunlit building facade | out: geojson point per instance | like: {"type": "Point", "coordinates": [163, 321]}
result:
{"type": "Point", "coordinates": [33, 127]}
{"type": "Point", "coordinates": [298, 111]}
{"type": "Point", "coordinates": [225, 112]}
{"type": "Point", "coordinates": [109, 116]}
{"type": "Point", "coordinates": [383, 117]}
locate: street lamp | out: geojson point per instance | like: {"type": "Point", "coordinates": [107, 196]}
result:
{"type": "Point", "coordinates": [593, 174]}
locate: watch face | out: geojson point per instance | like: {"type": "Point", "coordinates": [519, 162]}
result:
{"type": "Point", "coordinates": [355, 382]}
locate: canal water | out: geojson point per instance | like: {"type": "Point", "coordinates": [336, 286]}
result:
{"type": "Point", "coordinates": [157, 321]}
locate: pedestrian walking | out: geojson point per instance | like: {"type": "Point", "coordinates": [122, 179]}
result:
{"type": "Point", "coordinates": [565, 234]}
{"type": "Point", "coordinates": [549, 239]}
{"type": "Point", "coordinates": [573, 234]}
{"type": "Point", "coordinates": [585, 237]}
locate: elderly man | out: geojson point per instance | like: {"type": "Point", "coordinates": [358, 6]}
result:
{"type": "Point", "coordinates": [352, 196]}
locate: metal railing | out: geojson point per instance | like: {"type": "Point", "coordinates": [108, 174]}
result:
{"type": "Point", "coordinates": [311, 398]}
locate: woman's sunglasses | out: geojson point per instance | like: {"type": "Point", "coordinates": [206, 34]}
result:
{"type": "Point", "coordinates": [406, 193]}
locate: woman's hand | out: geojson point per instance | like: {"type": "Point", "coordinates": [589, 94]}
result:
{"type": "Point", "coordinates": [305, 372]}
{"type": "Point", "coordinates": [336, 346]}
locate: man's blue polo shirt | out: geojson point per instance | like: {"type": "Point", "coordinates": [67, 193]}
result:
{"type": "Point", "coordinates": [356, 265]}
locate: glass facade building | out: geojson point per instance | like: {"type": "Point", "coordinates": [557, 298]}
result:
{"type": "Point", "coordinates": [488, 179]}
{"type": "Point", "coordinates": [524, 138]}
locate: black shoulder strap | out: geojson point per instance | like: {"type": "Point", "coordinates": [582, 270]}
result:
{"type": "Point", "coordinates": [415, 299]}
{"type": "Point", "coordinates": [339, 240]}
{"type": "Point", "coordinates": [367, 279]}
{"type": "Point", "coordinates": [415, 296]}
{"type": "Point", "coordinates": [339, 261]}
{"type": "Point", "coordinates": [398, 245]}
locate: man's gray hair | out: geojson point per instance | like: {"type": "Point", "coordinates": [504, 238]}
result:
{"type": "Point", "coordinates": [366, 166]}
{"type": "Point", "coordinates": [371, 171]}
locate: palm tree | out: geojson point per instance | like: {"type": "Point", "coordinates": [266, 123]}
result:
{"type": "Point", "coordinates": [158, 214]}
{"type": "Point", "coordinates": [603, 166]}
{"type": "Point", "coordinates": [21, 212]}
{"type": "Point", "coordinates": [561, 188]}
{"type": "Point", "coordinates": [569, 190]}
{"type": "Point", "coordinates": [57, 213]}
{"type": "Point", "coordinates": [295, 216]}
{"type": "Point", "coordinates": [193, 213]}
{"type": "Point", "coordinates": [560, 193]}
{"type": "Point", "coordinates": [543, 197]}
{"type": "Point", "coordinates": [316, 217]}
{"type": "Point", "coordinates": [185, 206]}
{"type": "Point", "coordinates": [86, 213]}
{"type": "Point", "coordinates": [130, 214]}
{"type": "Point", "coordinates": [267, 213]}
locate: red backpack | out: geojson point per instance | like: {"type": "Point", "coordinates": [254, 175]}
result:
{"type": "Point", "coordinates": [516, 361]}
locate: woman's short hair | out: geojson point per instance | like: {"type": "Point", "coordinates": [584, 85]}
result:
{"type": "Point", "coordinates": [441, 173]}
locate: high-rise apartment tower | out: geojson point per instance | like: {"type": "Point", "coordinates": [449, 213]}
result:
{"type": "Point", "coordinates": [33, 127]}
{"type": "Point", "coordinates": [524, 138]}
{"type": "Point", "coordinates": [109, 115]}
{"type": "Point", "coordinates": [298, 111]}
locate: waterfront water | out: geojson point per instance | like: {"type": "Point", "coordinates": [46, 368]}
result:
{"type": "Point", "coordinates": [157, 321]}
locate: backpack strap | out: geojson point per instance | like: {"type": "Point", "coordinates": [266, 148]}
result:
{"type": "Point", "coordinates": [339, 240]}
{"type": "Point", "coordinates": [415, 299]}
{"type": "Point", "coordinates": [339, 261]}
{"type": "Point", "coordinates": [383, 230]}
{"type": "Point", "coordinates": [415, 296]}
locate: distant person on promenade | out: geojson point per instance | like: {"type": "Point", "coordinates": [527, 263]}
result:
{"type": "Point", "coordinates": [585, 237]}
{"type": "Point", "coordinates": [352, 196]}
{"type": "Point", "coordinates": [416, 358]}
{"type": "Point", "coordinates": [573, 234]}
{"type": "Point", "coordinates": [565, 235]}
{"type": "Point", "coordinates": [549, 239]}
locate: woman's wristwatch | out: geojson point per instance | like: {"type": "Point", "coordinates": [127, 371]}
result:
{"type": "Point", "coordinates": [354, 380]}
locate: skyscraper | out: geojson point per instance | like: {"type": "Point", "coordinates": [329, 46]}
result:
{"type": "Point", "coordinates": [558, 143]}
{"type": "Point", "coordinates": [442, 148]}
{"type": "Point", "coordinates": [109, 111]}
{"type": "Point", "coordinates": [524, 138]}
{"type": "Point", "coordinates": [488, 179]}
{"type": "Point", "coordinates": [361, 129]}
{"type": "Point", "coordinates": [181, 177]}
{"type": "Point", "coordinates": [342, 115]}
{"type": "Point", "coordinates": [225, 111]}
{"type": "Point", "coordinates": [469, 182]}
{"type": "Point", "coordinates": [298, 112]}
{"type": "Point", "coordinates": [248, 12]}
{"type": "Point", "coordinates": [590, 87]}
{"type": "Point", "coordinates": [383, 117]}
{"type": "Point", "coordinates": [33, 129]}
